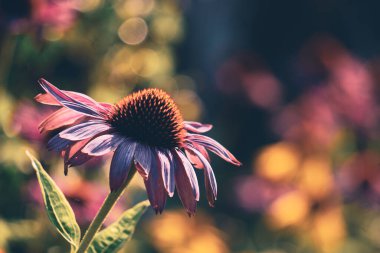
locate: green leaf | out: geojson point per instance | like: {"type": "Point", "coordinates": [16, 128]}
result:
{"type": "Point", "coordinates": [114, 236]}
{"type": "Point", "coordinates": [57, 206]}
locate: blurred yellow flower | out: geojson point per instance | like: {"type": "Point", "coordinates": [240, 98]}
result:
{"type": "Point", "coordinates": [189, 103]}
{"type": "Point", "coordinates": [328, 229]}
{"type": "Point", "coordinates": [289, 209]}
{"type": "Point", "coordinates": [174, 232]}
{"type": "Point", "coordinates": [147, 62]}
{"type": "Point", "coordinates": [278, 162]}
{"type": "Point", "coordinates": [133, 8]}
{"type": "Point", "coordinates": [87, 5]}
{"type": "Point", "coordinates": [167, 29]}
{"type": "Point", "coordinates": [315, 177]}
{"type": "Point", "coordinates": [6, 107]}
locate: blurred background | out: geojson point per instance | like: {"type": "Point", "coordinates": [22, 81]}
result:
{"type": "Point", "coordinates": [291, 88]}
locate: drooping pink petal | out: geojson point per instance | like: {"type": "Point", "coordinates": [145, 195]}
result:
{"type": "Point", "coordinates": [69, 102]}
{"type": "Point", "coordinates": [121, 164]}
{"type": "Point", "coordinates": [60, 118]}
{"type": "Point", "coordinates": [214, 147]}
{"type": "Point", "coordinates": [197, 127]}
{"type": "Point", "coordinates": [102, 145]}
{"type": "Point", "coordinates": [143, 159]}
{"type": "Point", "coordinates": [167, 171]}
{"type": "Point", "coordinates": [190, 173]}
{"type": "Point", "coordinates": [155, 186]}
{"type": "Point", "coordinates": [187, 191]}
{"type": "Point", "coordinates": [210, 181]}
{"type": "Point", "coordinates": [84, 130]}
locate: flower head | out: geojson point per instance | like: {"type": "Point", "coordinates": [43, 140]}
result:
{"type": "Point", "coordinates": [145, 129]}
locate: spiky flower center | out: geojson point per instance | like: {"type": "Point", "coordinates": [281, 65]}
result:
{"type": "Point", "coordinates": [149, 116]}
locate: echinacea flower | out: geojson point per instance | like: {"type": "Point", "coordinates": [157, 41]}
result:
{"type": "Point", "coordinates": [145, 129]}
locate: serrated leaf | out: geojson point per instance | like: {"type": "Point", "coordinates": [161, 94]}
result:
{"type": "Point", "coordinates": [113, 237]}
{"type": "Point", "coordinates": [58, 208]}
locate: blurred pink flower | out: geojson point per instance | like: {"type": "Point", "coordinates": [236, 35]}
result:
{"type": "Point", "coordinates": [59, 14]}
{"type": "Point", "coordinates": [346, 80]}
{"type": "Point", "coordinates": [359, 178]}
{"type": "Point", "coordinates": [26, 118]}
{"type": "Point", "coordinates": [256, 194]}
{"type": "Point", "coordinates": [352, 91]}
{"type": "Point", "coordinates": [245, 76]}
{"type": "Point", "coordinates": [311, 121]}
{"type": "Point", "coordinates": [84, 197]}
{"type": "Point", "coordinates": [343, 96]}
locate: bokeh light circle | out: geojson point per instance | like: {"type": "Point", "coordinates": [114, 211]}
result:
{"type": "Point", "coordinates": [133, 31]}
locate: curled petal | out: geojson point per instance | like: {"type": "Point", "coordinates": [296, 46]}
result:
{"type": "Point", "coordinates": [69, 102]}
{"type": "Point", "coordinates": [102, 145]}
{"type": "Point", "coordinates": [60, 118]}
{"type": "Point", "coordinates": [197, 127]}
{"type": "Point", "coordinates": [121, 164]}
{"type": "Point", "coordinates": [73, 155]}
{"type": "Point", "coordinates": [194, 159]}
{"type": "Point", "coordinates": [214, 147]}
{"type": "Point", "coordinates": [46, 99]}
{"type": "Point", "coordinates": [78, 159]}
{"type": "Point", "coordinates": [167, 171]}
{"type": "Point", "coordinates": [203, 151]}
{"type": "Point", "coordinates": [210, 181]}
{"type": "Point", "coordinates": [143, 159]}
{"type": "Point", "coordinates": [187, 184]}
{"type": "Point", "coordinates": [155, 186]}
{"type": "Point", "coordinates": [84, 130]}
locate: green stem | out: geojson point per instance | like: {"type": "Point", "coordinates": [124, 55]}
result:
{"type": "Point", "coordinates": [95, 225]}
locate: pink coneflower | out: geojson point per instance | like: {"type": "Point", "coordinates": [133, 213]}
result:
{"type": "Point", "coordinates": [59, 14]}
{"type": "Point", "coordinates": [145, 128]}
